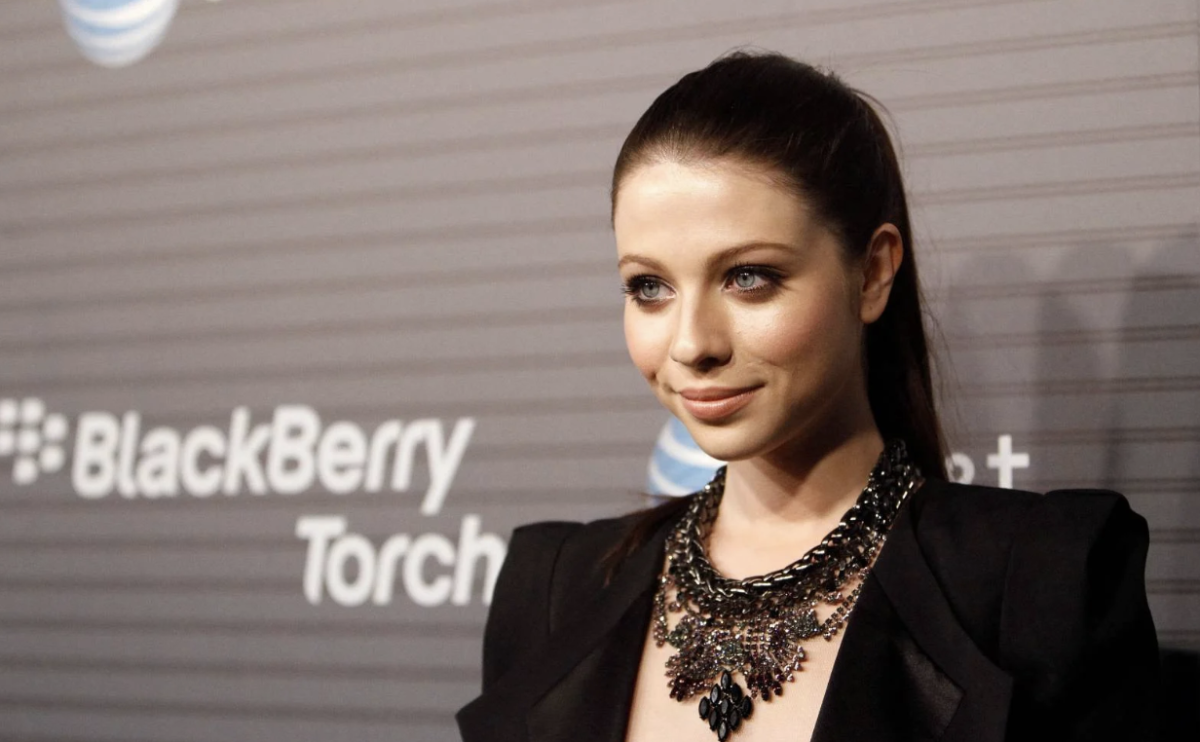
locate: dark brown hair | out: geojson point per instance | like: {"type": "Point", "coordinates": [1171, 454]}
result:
{"type": "Point", "coordinates": [825, 141]}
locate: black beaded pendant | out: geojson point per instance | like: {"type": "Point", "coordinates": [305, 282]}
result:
{"type": "Point", "coordinates": [725, 706]}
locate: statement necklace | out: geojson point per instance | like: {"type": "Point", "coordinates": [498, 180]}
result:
{"type": "Point", "coordinates": [756, 626]}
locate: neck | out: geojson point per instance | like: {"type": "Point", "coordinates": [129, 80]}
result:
{"type": "Point", "coordinates": [807, 482]}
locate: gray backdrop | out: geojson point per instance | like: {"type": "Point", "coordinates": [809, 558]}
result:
{"type": "Point", "coordinates": [394, 215]}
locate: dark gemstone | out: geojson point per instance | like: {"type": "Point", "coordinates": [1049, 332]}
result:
{"type": "Point", "coordinates": [735, 692]}
{"type": "Point", "coordinates": [705, 707]}
{"type": "Point", "coordinates": [677, 637]}
{"type": "Point", "coordinates": [713, 721]}
{"type": "Point", "coordinates": [723, 707]}
{"type": "Point", "coordinates": [715, 694]}
{"type": "Point", "coordinates": [747, 707]}
{"type": "Point", "coordinates": [726, 681]}
{"type": "Point", "coordinates": [735, 718]}
{"type": "Point", "coordinates": [722, 731]}
{"type": "Point", "coordinates": [730, 653]}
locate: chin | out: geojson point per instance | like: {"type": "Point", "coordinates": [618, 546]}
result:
{"type": "Point", "coordinates": [726, 442]}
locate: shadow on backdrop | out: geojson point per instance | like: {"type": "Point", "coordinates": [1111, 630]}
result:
{"type": "Point", "coordinates": [1164, 303]}
{"type": "Point", "coordinates": [1138, 432]}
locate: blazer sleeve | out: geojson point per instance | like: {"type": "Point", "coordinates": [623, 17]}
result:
{"type": "Point", "coordinates": [518, 619]}
{"type": "Point", "coordinates": [1076, 630]}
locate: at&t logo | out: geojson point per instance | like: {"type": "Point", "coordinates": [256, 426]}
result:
{"type": "Point", "coordinates": [117, 33]}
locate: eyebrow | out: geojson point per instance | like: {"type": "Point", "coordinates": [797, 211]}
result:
{"type": "Point", "coordinates": [721, 257]}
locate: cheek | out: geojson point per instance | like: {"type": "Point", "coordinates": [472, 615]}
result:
{"type": "Point", "coordinates": [804, 337]}
{"type": "Point", "coordinates": [647, 342]}
{"type": "Point", "coordinates": [782, 340]}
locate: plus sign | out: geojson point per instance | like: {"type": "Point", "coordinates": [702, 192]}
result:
{"type": "Point", "coordinates": [1005, 460]}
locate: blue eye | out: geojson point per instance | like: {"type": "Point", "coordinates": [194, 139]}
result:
{"type": "Point", "coordinates": [745, 279]}
{"type": "Point", "coordinates": [645, 290]}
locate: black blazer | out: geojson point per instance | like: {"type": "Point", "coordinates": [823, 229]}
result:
{"type": "Point", "coordinates": [989, 615]}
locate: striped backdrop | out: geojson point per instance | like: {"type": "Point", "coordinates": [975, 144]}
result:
{"type": "Point", "coordinates": [397, 211]}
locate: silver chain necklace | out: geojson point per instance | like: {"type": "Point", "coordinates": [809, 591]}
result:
{"type": "Point", "coordinates": [756, 626]}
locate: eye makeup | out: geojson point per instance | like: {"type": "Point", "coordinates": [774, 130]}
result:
{"type": "Point", "coordinates": [743, 279]}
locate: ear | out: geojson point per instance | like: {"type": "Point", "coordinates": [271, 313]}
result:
{"type": "Point", "coordinates": [884, 256]}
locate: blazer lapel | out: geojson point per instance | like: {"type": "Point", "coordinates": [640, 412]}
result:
{"type": "Point", "coordinates": [907, 670]}
{"type": "Point", "coordinates": [580, 685]}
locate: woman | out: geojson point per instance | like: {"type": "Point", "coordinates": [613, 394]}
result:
{"type": "Point", "coordinates": [828, 584]}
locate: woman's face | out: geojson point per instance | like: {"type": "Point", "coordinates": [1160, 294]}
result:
{"type": "Point", "coordinates": [742, 313]}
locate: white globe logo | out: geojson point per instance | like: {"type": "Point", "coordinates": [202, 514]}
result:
{"type": "Point", "coordinates": [116, 33]}
{"type": "Point", "coordinates": [678, 466]}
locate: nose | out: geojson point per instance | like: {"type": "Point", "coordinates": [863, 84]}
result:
{"type": "Point", "coordinates": [701, 339]}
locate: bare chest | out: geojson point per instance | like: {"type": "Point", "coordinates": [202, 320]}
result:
{"type": "Point", "coordinates": [791, 717]}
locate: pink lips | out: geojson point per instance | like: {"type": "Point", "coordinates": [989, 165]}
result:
{"type": "Point", "coordinates": [714, 403]}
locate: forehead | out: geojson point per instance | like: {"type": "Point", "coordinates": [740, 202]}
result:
{"type": "Point", "coordinates": [702, 206]}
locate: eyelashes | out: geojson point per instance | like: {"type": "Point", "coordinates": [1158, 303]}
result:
{"type": "Point", "coordinates": [643, 289]}
{"type": "Point", "coordinates": [647, 290]}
